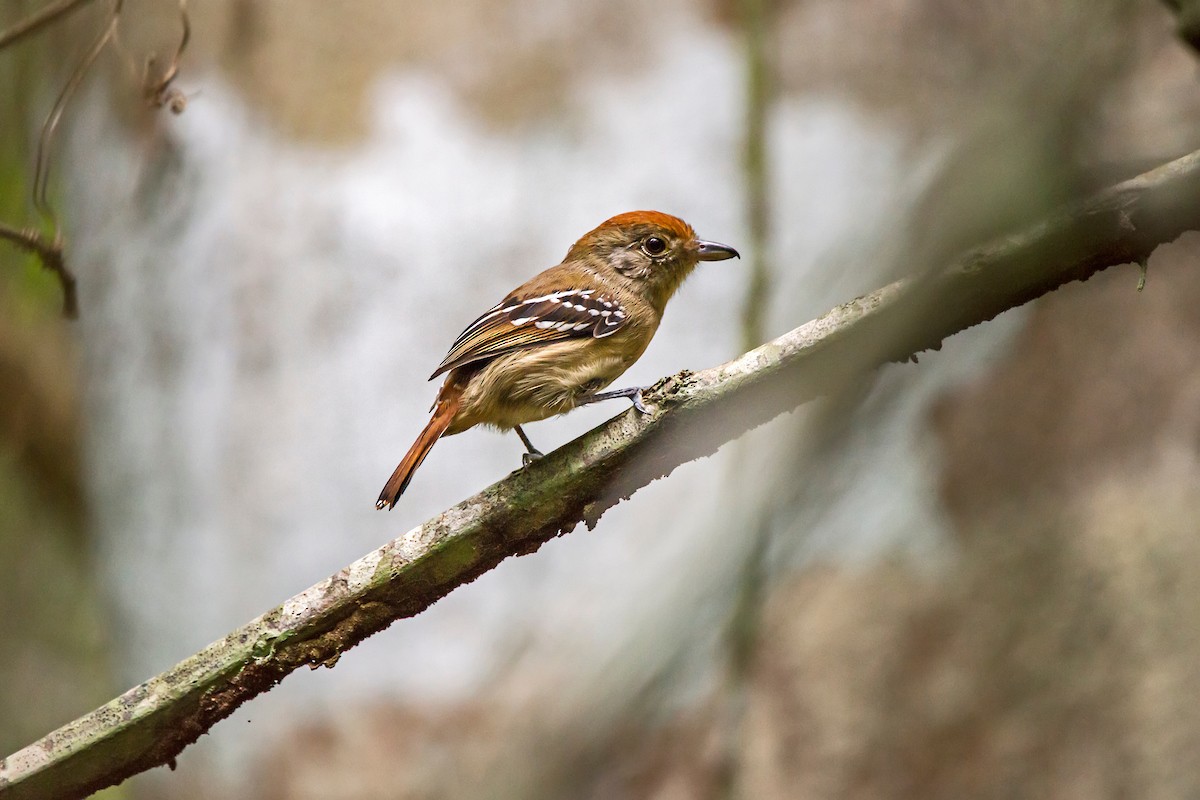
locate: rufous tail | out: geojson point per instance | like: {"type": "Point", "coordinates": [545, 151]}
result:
{"type": "Point", "coordinates": [449, 399]}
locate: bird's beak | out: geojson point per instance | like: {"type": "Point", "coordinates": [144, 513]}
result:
{"type": "Point", "coordinates": [713, 251]}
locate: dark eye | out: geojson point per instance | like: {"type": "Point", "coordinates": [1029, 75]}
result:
{"type": "Point", "coordinates": [654, 246]}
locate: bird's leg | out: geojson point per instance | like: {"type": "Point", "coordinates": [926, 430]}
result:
{"type": "Point", "coordinates": [633, 394]}
{"type": "Point", "coordinates": [534, 454]}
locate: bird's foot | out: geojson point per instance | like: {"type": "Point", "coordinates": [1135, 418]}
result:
{"type": "Point", "coordinates": [532, 454]}
{"type": "Point", "coordinates": [633, 394]}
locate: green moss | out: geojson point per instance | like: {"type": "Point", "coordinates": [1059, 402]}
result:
{"type": "Point", "coordinates": [452, 558]}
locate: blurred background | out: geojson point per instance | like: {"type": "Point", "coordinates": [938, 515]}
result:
{"type": "Point", "coordinates": [976, 576]}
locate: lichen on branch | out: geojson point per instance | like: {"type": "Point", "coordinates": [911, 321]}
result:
{"type": "Point", "coordinates": [692, 415]}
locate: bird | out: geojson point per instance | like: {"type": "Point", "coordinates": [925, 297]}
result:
{"type": "Point", "coordinates": [553, 343]}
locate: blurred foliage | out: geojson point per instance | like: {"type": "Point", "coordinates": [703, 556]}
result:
{"type": "Point", "coordinates": [52, 651]}
{"type": "Point", "coordinates": [53, 658]}
{"type": "Point", "coordinates": [28, 290]}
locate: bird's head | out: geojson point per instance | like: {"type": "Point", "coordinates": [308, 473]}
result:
{"type": "Point", "coordinates": [651, 250]}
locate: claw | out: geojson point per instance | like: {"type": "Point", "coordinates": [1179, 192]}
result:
{"type": "Point", "coordinates": [532, 454]}
{"type": "Point", "coordinates": [633, 394]}
{"type": "Point", "coordinates": [637, 402]}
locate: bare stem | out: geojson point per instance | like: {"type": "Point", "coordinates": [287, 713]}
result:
{"type": "Point", "coordinates": [39, 20]}
{"type": "Point", "coordinates": [158, 91]}
{"type": "Point", "coordinates": [41, 174]}
{"type": "Point", "coordinates": [50, 253]}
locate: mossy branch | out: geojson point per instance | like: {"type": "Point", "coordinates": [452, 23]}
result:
{"type": "Point", "coordinates": [693, 414]}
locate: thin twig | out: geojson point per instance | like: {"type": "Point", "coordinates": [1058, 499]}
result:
{"type": "Point", "coordinates": [38, 20]}
{"type": "Point", "coordinates": [41, 176]}
{"type": "Point", "coordinates": [157, 90]}
{"type": "Point", "coordinates": [160, 93]}
{"type": "Point", "coordinates": [50, 253]}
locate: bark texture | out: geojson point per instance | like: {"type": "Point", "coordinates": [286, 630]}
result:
{"type": "Point", "coordinates": [692, 415]}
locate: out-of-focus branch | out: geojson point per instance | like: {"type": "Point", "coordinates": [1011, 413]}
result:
{"type": "Point", "coordinates": [692, 414]}
{"type": "Point", "coordinates": [754, 164]}
{"type": "Point", "coordinates": [38, 20]}
{"type": "Point", "coordinates": [742, 628]}
{"type": "Point", "coordinates": [41, 171]}
{"type": "Point", "coordinates": [157, 90]}
{"type": "Point", "coordinates": [50, 253]}
{"type": "Point", "coordinates": [1189, 20]}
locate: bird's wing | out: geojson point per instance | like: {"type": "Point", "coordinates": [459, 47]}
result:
{"type": "Point", "coordinates": [521, 322]}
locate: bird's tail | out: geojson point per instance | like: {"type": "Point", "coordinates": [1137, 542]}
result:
{"type": "Point", "coordinates": [448, 402]}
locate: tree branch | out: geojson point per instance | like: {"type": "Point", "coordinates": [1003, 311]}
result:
{"type": "Point", "coordinates": [38, 20]}
{"type": "Point", "coordinates": [51, 256]}
{"type": "Point", "coordinates": [692, 414]}
{"type": "Point", "coordinates": [1189, 20]}
{"type": "Point", "coordinates": [50, 251]}
{"type": "Point", "coordinates": [740, 633]}
{"type": "Point", "coordinates": [41, 169]}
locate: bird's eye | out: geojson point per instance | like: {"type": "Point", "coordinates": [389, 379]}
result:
{"type": "Point", "coordinates": [654, 246]}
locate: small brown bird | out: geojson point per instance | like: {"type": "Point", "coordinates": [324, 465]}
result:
{"type": "Point", "coordinates": [556, 340]}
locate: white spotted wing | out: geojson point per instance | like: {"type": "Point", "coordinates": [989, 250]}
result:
{"type": "Point", "coordinates": [518, 323]}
